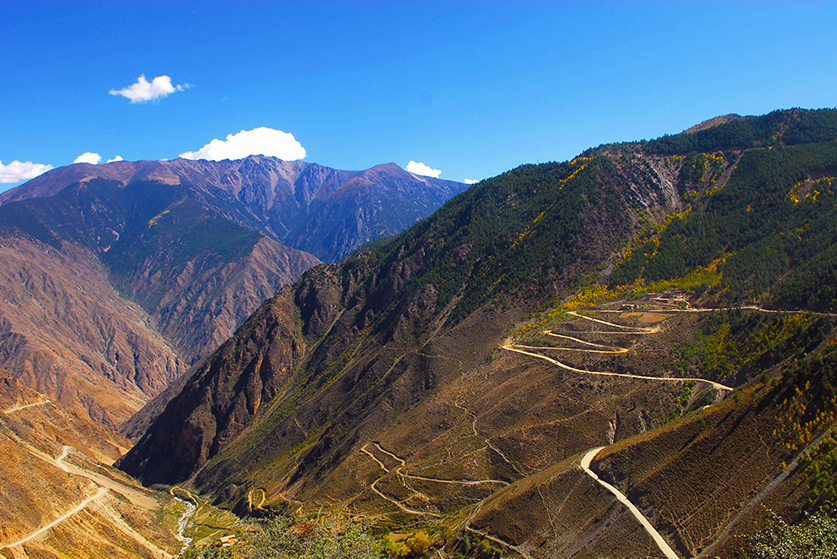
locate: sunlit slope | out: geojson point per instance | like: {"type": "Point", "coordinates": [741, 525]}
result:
{"type": "Point", "coordinates": [771, 222]}
{"type": "Point", "coordinates": [441, 376]}
{"type": "Point", "coordinates": [61, 498]}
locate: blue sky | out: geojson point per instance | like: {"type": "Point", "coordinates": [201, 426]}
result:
{"type": "Point", "coordinates": [470, 88]}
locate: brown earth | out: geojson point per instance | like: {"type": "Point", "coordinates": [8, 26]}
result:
{"type": "Point", "coordinates": [45, 477]}
{"type": "Point", "coordinates": [68, 334]}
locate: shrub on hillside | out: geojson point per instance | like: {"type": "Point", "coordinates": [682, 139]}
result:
{"type": "Point", "coordinates": [816, 536]}
{"type": "Point", "coordinates": [279, 538]}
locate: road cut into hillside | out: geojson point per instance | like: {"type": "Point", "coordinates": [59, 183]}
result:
{"type": "Point", "coordinates": [617, 329]}
{"type": "Point", "coordinates": [399, 472]}
{"type": "Point", "coordinates": [620, 330]}
{"type": "Point", "coordinates": [136, 496]}
{"type": "Point", "coordinates": [104, 511]}
{"type": "Point", "coordinates": [515, 348]}
{"type": "Point", "coordinates": [607, 348]}
{"type": "Point", "coordinates": [78, 508]}
{"type": "Point", "coordinates": [642, 330]}
{"type": "Point", "coordinates": [399, 504]}
{"type": "Point", "coordinates": [655, 535]}
{"type": "Point", "coordinates": [719, 309]}
{"type": "Point", "coordinates": [24, 406]}
{"type": "Point", "coordinates": [572, 349]}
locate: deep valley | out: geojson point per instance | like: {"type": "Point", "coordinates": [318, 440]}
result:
{"type": "Point", "coordinates": [629, 354]}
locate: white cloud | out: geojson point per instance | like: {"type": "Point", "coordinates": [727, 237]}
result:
{"type": "Point", "coordinates": [259, 141]}
{"type": "Point", "coordinates": [143, 91]}
{"type": "Point", "coordinates": [419, 168]}
{"type": "Point", "coordinates": [18, 171]}
{"type": "Point", "coordinates": [117, 158]}
{"type": "Point", "coordinates": [471, 181]}
{"type": "Point", "coordinates": [88, 157]}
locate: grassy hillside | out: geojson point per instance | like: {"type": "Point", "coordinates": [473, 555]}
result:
{"type": "Point", "coordinates": [449, 379]}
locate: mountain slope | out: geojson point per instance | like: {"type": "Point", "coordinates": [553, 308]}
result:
{"type": "Point", "coordinates": [70, 335]}
{"type": "Point", "coordinates": [522, 234]}
{"type": "Point", "coordinates": [190, 247]}
{"type": "Point", "coordinates": [55, 473]}
{"type": "Point", "coordinates": [768, 214]}
{"type": "Point", "coordinates": [323, 211]}
{"type": "Point", "coordinates": [74, 257]}
{"type": "Point", "coordinates": [406, 382]}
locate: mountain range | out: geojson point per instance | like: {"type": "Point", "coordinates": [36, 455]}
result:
{"type": "Point", "coordinates": [629, 354]}
{"type": "Point", "coordinates": [118, 277]}
{"type": "Point", "coordinates": [667, 304]}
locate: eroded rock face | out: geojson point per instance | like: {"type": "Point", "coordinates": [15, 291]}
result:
{"type": "Point", "coordinates": [222, 396]}
{"type": "Point", "coordinates": [66, 332]}
{"type": "Point", "coordinates": [104, 336]}
{"type": "Point", "coordinates": [120, 276]}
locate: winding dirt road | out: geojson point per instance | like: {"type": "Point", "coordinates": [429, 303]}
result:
{"type": "Point", "coordinates": [716, 309]}
{"type": "Point", "coordinates": [59, 462]}
{"type": "Point", "coordinates": [571, 349]}
{"type": "Point", "coordinates": [602, 348]}
{"type": "Point", "coordinates": [399, 504]}
{"type": "Point", "coordinates": [78, 508]}
{"type": "Point", "coordinates": [608, 348]}
{"type": "Point", "coordinates": [404, 476]}
{"type": "Point", "coordinates": [620, 329]}
{"type": "Point", "coordinates": [641, 330]}
{"type": "Point", "coordinates": [594, 347]}
{"type": "Point", "coordinates": [24, 406]}
{"type": "Point", "coordinates": [655, 535]}
{"type": "Point", "coordinates": [103, 485]}
{"type": "Point", "coordinates": [136, 496]}
{"type": "Point", "coordinates": [515, 348]}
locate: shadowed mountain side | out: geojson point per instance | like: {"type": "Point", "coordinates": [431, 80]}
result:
{"type": "Point", "coordinates": [139, 423]}
{"type": "Point", "coordinates": [200, 301]}
{"type": "Point", "coordinates": [217, 402]}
